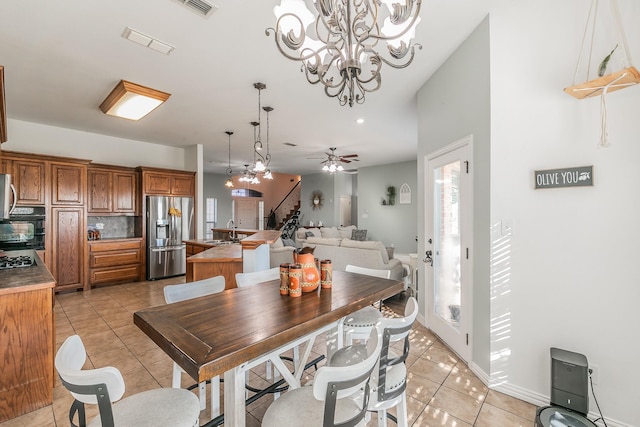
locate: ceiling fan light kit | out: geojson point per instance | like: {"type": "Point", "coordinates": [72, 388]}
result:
{"type": "Point", "coordinates": [348, 42]}
{"type": "Point", "coordinates": [333, 163]}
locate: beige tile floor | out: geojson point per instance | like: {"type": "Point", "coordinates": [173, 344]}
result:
{"type": "Point", "coordinates": [441, 390]}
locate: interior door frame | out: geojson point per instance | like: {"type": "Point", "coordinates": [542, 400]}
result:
{"type": "Point", "coordinates": [462, 341]}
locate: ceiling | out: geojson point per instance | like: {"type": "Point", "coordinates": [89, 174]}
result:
{"type": "Point", "coordinates": [63, 58]}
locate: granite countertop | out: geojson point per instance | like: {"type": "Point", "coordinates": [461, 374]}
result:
{"type": "Point", "coordinates": [23, 279]}
{"type": "Point", "coordinates": [222, 253]}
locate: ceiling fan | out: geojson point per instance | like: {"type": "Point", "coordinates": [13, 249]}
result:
{"type": "Point", "coordinates": [333, 162]}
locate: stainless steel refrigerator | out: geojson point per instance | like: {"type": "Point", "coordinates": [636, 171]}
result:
{"type": "Point", "coordinates": [169, 222]}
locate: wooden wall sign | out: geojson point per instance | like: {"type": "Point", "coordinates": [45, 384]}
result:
{"type": "Point", "coordinates": [567, 177]}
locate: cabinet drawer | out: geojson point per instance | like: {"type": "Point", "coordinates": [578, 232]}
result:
{"type": "Point", "coordinates": [107, 246]}
{"type": "Point", "coordinates": [113, 275]}
{"type": "Point", "coordinates": [110, 259]}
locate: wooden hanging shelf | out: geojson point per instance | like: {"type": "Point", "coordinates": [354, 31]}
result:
{"type": "Point", "coordinates": [615, 81]}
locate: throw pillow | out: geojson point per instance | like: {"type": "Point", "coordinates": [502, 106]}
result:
{"type": "Point", "coordinates": [329, 232]}
{"type": "Point", "coordinates": [345, 232]}
{"type": "Point", "coordinates": [359, 235]}
{"type": "Point", "coordinates": [309, 234]}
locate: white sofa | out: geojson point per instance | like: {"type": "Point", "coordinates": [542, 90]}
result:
{"type": "Point", "coordinates": [328, 232]}
{"type": "Point", "coordinates": [280, 253]}
{"type": "Point", "coordinates": [343, 251]}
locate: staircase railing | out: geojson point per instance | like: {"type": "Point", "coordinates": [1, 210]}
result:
{"type": "Point", "coordinates": [288, 205]}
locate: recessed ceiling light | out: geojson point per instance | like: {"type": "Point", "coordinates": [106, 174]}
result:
{"type": "Point", "coordinates": [359, 121]}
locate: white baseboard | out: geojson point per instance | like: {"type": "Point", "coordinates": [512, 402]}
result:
{"type": "Point", "coordinates": [532, 397]}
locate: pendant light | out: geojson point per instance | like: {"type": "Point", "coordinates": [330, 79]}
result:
{"type": "Point", "coordinates": [229, 182]}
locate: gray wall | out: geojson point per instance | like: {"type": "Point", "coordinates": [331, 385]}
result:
{"type": "Point", "coordinates": [454, 103]}
{"type": "Point", "coordinates": [213, 186]}
{"type": "Point", "coordinates": [325, 183]}
{"type": "Point", "coordinates": [397, 224]}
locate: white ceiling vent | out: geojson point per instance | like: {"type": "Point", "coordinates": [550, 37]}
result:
{"type": "Point", "coordinates": [201, 7]}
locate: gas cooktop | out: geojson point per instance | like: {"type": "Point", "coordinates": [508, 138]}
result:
{"type": "Point", "coordinates": [16, 261]}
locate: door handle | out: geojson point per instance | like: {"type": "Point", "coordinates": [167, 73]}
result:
{"type": "Point", "coordinates": [428, 258]}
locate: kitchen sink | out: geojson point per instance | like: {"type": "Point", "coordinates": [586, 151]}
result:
{"type": "Point", "coordinates": [219, 242]}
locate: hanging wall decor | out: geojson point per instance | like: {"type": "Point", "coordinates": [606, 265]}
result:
{"type": "Point", "coordinates": [316, 200]}
{"type": "Point", "coordinates": [603, 54]}
{"type": "Point", "coordinates": [405, 194]}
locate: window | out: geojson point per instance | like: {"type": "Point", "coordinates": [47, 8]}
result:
{"type": "Point", "coordinates": [211, 216]}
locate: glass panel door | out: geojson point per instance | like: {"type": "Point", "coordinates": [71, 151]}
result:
{"type": "Point", "coordinates": [446, 208]}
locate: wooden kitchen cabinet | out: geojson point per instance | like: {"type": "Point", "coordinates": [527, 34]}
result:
{"type": "Point", "coordinates": [115, 261]}
{"type": "Point", "coordinates": [29, 179]}
{"type": "Point", "coordinates": [168, 182]}
{"type": "Point", "coordinates": [28, 344]}
{"type": "Point", "coordinates": [67, 247]}
{"type": "Point", "coordinates": [68, 183]}
{"type": "Point", "coordinates": [112, 191]}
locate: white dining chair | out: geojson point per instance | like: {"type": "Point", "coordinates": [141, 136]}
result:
{"type": "Point", "coordinates": [105, 387]}
{"type": "Point", "coordinates": [337, 397]}
{"type": "Point", "coordinates": [389, 378]}
{"type": "Point", "coordinates": [358, 325]}
{"type": "Point", "coordinates": [187, 291]}
{"type": "Point", "coordinates": [255, 277]}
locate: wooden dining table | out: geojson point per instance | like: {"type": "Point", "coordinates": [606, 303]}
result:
{"type": "Point", "coordinates": [222, 334]}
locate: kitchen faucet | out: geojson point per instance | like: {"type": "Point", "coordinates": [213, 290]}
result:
{"type": "Point", "coordinates": [233, 229]}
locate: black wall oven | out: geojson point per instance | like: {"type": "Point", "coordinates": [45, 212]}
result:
{"type": "Point", "coordinates": [25, 229]}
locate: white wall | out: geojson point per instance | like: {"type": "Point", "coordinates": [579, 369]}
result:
{"type": "Point", "coordinates": [573, 279]}
{"type": "Point", "coordinates": [453, 104]}
{"type": "Point", "coordinates": [37, 138]}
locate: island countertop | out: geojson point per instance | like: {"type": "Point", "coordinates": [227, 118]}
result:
{"type": "Point", "coordinates": [220, 253]}
{"type": "Point", "coordinates": [23, 279]}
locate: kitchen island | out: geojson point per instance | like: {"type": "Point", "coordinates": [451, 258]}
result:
{"type": "Point", "coordinates": [222, 260]}
{"type": "Point", "coordinates": [226, 259]}
{"type": "Point", "coordinates": [27, 339]}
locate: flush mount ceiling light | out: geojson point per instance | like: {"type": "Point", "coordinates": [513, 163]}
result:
{"type": "Point", "coordinates": [345, 44]}
{"type": "Point", "coordinates": [132, 101]}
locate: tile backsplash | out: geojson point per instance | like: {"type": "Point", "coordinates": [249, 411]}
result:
{"type": "Point", "coordinates": [113, 226]}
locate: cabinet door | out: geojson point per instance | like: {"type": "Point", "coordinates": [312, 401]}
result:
{"type": "Point", "coordinates": [67, 184]}
{"type": "Point", "coordinates": [29, 180]}
{"type": "Point", "coordinates": [182, 185]}
{"type": "Point", "coordinates": [125, 190]}
{"type": "Point", "coordinates": [157, 184]}
{"type": "Point", "coordinates": [67, 251]}
{"type": "Point", "coordinates": [100, 189]}
{"type": "Point", "coordinates": [5, 166]}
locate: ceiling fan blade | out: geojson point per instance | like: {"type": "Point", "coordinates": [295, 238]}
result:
{"type": "Point", "coordinates": [350, 155]}
{"type": "Point", "coordinates": [350, 171]}
{"type": "Point", "coordinates": [345, 161]}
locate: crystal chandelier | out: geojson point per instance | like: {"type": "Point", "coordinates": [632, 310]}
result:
{"type": "Point", "coordinates": [229, 182]}
{"type": "Point", "coordinates": [348, 43]}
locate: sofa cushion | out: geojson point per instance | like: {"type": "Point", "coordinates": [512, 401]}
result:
{"type": "Point", "coordinates": [359, 235]}
{"type": "Point", "coordinates": [277, 244]}
{"type": "Point", "coordinates": [371, 245]}
{"type": "Point", "coordinates": [345, 232]}
{"type": "Point", "coordinates": [329, 232]}
{"type": "Point", "coordinates": [329, 241]}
